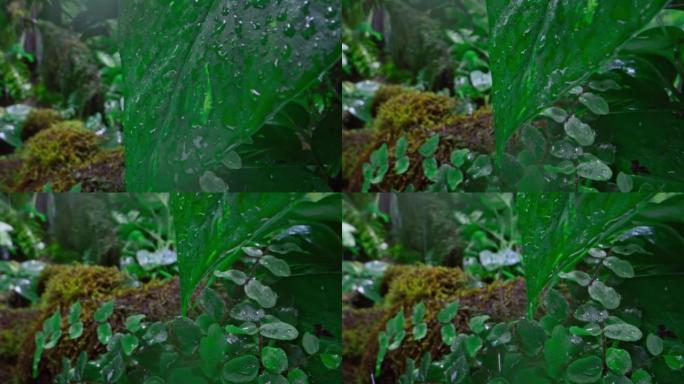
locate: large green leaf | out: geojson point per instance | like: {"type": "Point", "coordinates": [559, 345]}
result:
{"type": "Point", "coordinates": [648, 143]}
{"type": "Point", "coordinates": [542, 49]}
{"type": "Point", "coordinates": [559, 228]}
{"type": "Point", "coordinates": [212, 229]}
{"type": "Point", "coordinates": [202, 77]}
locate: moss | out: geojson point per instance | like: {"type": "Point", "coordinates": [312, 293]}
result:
{"type": "Point", "coordinates": [408, 285]}
{"type": "Point", "coordinates": [158, 300]}
{"type": "Point", "coordinates": [61, 285]}
{"type": "Point", "coordinates": [103, 173]}
{"type": "Point", "coordinates": [387, 92]}
{"type": "Point", "coordinates": [37, 121]}
{"type": "Point", "coordinates": [354, 144]}
{"type": "Point", "coordinates": [358, 327]}
{"type": "Point", "coordinates": [52, 155]}
{"type": "Point", "coordinates": [474, 132]}
{"type": "Point", "coordinates": [9, 169]}
{"type": "Point", "coordinates": [502, 301]}
{"type": "Point", "coordinates": [413, 111]}
{"type": "Point", "coordinates": [15, 324]}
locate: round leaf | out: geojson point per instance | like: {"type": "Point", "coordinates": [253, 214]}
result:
{"type": "Point", "coordinates": [274, 359]}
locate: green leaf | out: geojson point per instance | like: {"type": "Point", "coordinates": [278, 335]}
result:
{"type": "Point", "coordinates": [560, 229]}
{"type": "Point", "coordinates": [247, 328]}
{"type": "Point", "coordinates": [213, 304]}
{"type": "Point", "coordinates": [104, 333]}
{"type": "Point", "coordinates": [618, 360]}
{"type": "Point", "coordinates": [133, 322]}
{"type": "Point", "coordinates": [430, 168]}
{"type": "Point", "coordinates": [459, 156]}
{"type": "Point", "coordinates": [448, 313]}
{"type": "Point", "coordinates": [604, 294]}
{"type": "Point", "coordinates": [585, 370]}
{"type": "Point", "coordinates": [155, 333]}
{"type": "Point", "coordinates": [185, 334]}
{"type": "Point", "coordinates": [129, 343]}
{"type": "Point", "coordinates": [331, 360]}
{"type": "Point", "coordinates": [242, 369]}
{"type": "Point", "coordinates": [620, 267]}
{"type": "Point", "coordinates": [104, 312]}
{"type": "Point", "coordinates": [541, 50]}
{"type": "Point", "coordinates": [75, 312]}
{"type": "Point", "coordinates": [402, 165]}
{"type": "Point", "coordinates": [674, 360]}
{"type": "Point", "coordinates": [454, 178]}
{"type": "Point", "coordinates": [531, 336]}
{"type": "Point", "coordinates": [654, 344]}
{"type": "Point", "coordinates": [429, 148]}
{"type": "Point", "coordinates": [477, 323]}
{"type": "Point", "coordinates": [297, 376]}
{"type": "Point", "coordinates": [271, 378]}
{"type": "Point", "coordinates": [310, 343]}
{"type": "Point", "coordinates": [624, 182]}
{"type": "Point", "coordinates": [481, 167]}
{"type": "Point", "coordinates": [39, 340]}
{"type": "Point", "coordinates": [579, 131]}
{"type": "Point", "coordinates": [473, 344]}
{"type": "Point", "coordinates": [579, 277]}
{"type": "Point", "coordinates": [557, 351]}
{"type": "Point", "coordinates": [622, 332]}
{"type": "Point", "coordinates": [274, 359]}
{"type": "Point", "coordinates": [640, 376]}
{"type": "Point", "coordinates": [448, 332]}
{"type": "Point", "coordinates": [52, 330]}
{"type": "Point", "coordinates": [418, 313]}
{"type": "Point", "coordinates": [232, 160]}
{"type": "Point", "coordinates": [237, 277]}
{"type": "Point", "coordinates": [185, 63]}
{"type": "Point", "coordinates": [262, 294]}
{"type": "Point", "coordinates": [277, 266]}
{"type": "Point", "coordinates": [210, 236]}
{"type": "Point", "coordinates": [595, 103]}
{"type": "Point", "coordinates": [419, 331]}
{"type": "Point", "coordinates": [400, 147]}
{"type": "Point", "coordinates": [279, 331]}
{"type": "Point", "coordinates": [500, 334]}
{"type": "Point", "coordinates": [75, 330]}
{"type": "Point", "coordinates": [595, 170]}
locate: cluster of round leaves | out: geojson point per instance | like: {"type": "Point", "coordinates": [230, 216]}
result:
{"type": "Point", "coordinates": [594, 349]}
{"type": "Point", "coordinates": [572, 151]}
{"type": "Point", "coordinates": [447, 177]}
{"type": "Point", "coordinates": [242, 344]}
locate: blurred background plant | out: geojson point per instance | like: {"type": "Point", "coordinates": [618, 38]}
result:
{"type": "Point", "coordinates": [59, 61]}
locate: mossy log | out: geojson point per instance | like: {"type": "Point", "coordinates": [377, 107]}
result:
{"type": "Point", "coordinates": [418, 116]}
{"type": "Point", "coordinates": [406, 286]}
{"type": "Point", "coordinates": [39, 120]}
{"type": "Point", "coordinates": [92, 286]}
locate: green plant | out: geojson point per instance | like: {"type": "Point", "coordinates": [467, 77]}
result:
{"type": "Point", "coordinates": [258, 321]}
{"type": "Point", "coordinates": [363, 278]}
{"type": "Point", "coordinates": [443, 178]}
{"type": "Point", "coordinates": [265, 60]}
{"type": "Point", "coordinates": [560, 228]}
{"type": "Point", "coordinates": [20, 278]}
{"type": "Point", "coordinates": [491, 237]}
{"type": "Point", "coordinates": [527, 82]}
{"type": "Point", "coordinates": [584, 344]}
{"type": "Point", "coordinates": [148, 238]}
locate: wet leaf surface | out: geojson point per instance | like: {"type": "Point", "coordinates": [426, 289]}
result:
{"type": "Point", "coordinates": [203, 77]}
{"type": "Point", "coordinates": [541, 50]}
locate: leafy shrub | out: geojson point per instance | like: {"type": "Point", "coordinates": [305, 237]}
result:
{"type": "Point", "coordinates": [253, 337]}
